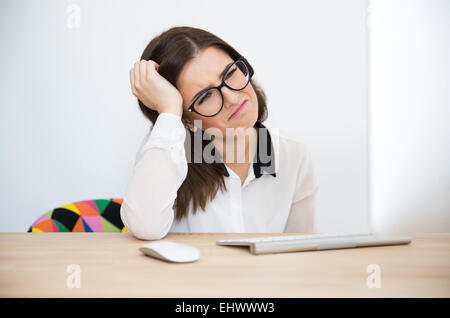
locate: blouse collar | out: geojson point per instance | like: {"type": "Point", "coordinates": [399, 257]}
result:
{"type": "Point", "coordinates": [266, 149]}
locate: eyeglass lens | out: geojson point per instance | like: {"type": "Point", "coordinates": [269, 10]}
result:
{"type": "Point", "coordinates": [210, 102]}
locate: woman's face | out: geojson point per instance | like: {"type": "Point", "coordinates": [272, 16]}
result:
{"type": "Point", "coordinates": [204, 71]}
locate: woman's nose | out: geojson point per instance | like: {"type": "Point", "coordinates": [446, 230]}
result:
{"type": "Point", "coordinates": [230, 97]}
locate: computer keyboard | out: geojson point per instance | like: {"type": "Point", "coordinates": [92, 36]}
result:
{"type": "Point", "coordinates": [297, 243]}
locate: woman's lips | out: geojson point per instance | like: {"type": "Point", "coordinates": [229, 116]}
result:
{"type": "Point", "coordinates": [238, 110]}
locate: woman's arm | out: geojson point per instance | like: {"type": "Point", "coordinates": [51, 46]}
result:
{"type": "Point", "coordinates": [160, 169]}
{"type": "Point", "coordinates": [303, 208]}
{"type": "Point", "coordinates": [302, 217]}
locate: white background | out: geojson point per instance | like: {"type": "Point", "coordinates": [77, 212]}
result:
{"type": "Point", "coordinates": [410, 115]}
{"type": "Point", "coordinates": [70, 126]}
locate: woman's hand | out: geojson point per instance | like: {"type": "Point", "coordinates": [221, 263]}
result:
{"type": "Point", "coordinates": [153, 90]}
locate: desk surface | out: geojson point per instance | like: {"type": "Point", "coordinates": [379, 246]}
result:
{"type": "Point", "coordinates": [35, 265]}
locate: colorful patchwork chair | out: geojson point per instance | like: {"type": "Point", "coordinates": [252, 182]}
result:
{"type": "Point", "coordinates": [101, 215]}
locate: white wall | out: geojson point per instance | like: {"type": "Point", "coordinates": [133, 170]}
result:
{"type": "Point", "coordinates": [70, 126]}
{"type": "Point", "coordinates": [410, 111]}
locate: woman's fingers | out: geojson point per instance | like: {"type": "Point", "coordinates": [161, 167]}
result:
{"type": "Point", "coordinates": [136, 73]}
{"type": "Point", "coordinates": [150, 68]}
{"type": "Point", "coordinates": [132, 76]}
{"type": "Point", "coordinates": [132, 79]}
{"type": "Point", "coordinates": [142, 70]}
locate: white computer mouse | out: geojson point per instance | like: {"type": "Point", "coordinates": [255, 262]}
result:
{"type": "Point", "coordinates": [171, 251]}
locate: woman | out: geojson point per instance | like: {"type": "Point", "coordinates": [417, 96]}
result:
{"type": "Point", "coordinates": [190, 82]}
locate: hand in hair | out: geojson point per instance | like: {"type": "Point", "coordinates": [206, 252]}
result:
{"type": "Point", "coordinates": [153, 90]}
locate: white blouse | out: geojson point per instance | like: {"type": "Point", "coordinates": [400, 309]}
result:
{"type": "Point", "coordinates": [276, 197]}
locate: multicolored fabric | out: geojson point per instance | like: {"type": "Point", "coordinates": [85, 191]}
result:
{"type": "Point", "coordinates": [101, 215]}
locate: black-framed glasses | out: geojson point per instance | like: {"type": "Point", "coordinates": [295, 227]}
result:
{"type": "Point", "coordinates": [236, 77]}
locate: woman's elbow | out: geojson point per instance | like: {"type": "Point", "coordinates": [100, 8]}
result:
{"type": "Point", "coordinates": [148, 230]}
{"type": "Point", "coordinates": [148, 235]}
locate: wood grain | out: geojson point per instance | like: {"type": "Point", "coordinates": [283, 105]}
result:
{"type": "Point", "coordinates": [35, 265]}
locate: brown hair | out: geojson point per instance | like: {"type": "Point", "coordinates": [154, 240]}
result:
{"type": "Point", "coordinates": [171, 50]}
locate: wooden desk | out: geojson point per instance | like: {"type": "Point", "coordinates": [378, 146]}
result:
{"type": "Point", "coordinates": [35, 265]}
